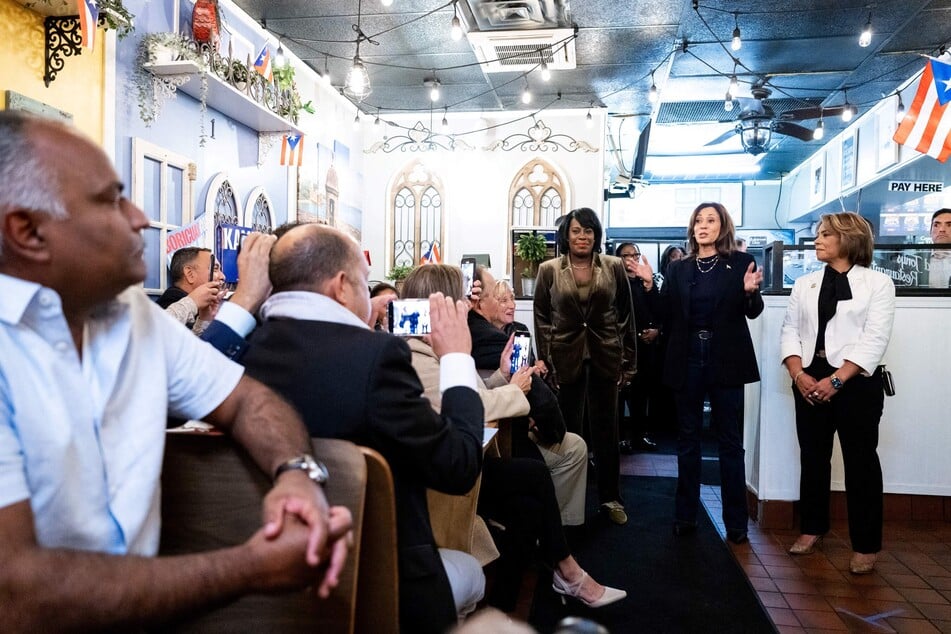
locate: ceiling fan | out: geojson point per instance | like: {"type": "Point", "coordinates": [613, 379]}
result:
{"type": "Point", "coordinates": [756, 121]}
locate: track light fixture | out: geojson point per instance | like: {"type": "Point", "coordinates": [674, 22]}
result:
{"type": "Point", "coordinates": [652, 94]}
{"type": "Point", "coordinates": [866, 37]}
{"type": "Point", "coordinates": [279, 58]}
{"type": "Point", "coordinates": [737, 43]}
{"type": "Point", "coordinates": [819, 132]}
{"type": "Point", "coordinates": [900, 111]}
{"type": "Point", "coordinates": [728, 102]}
{"type": "Point", "coordinates": [546, 73]}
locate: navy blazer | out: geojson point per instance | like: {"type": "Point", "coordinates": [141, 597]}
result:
{"type": "Point", "coordinates": [359, 385]}
{"type": "Point", "coordinates": [732, 355]}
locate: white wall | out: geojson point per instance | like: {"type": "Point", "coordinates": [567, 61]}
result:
{"type": "Point", "coordinates": [476, 183]}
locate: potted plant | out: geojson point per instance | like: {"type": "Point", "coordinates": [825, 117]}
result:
{"type": "Point", "coordinates": [532, 249]}
{"type": "Point", "coordinates": [399, 273]}
{"type": "Point", "coordinates": [239, 75]}
{"type": "Point", "coordinates": [153, 89]}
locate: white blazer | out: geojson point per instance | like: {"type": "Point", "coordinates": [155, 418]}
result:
{"type": "Point", "coordinates": [859, 330]}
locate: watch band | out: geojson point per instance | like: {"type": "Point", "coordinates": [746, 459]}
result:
{"type": "Point", "coordinates": [313, 468]}
{"type": "Point", "coordinates": [836, 382]}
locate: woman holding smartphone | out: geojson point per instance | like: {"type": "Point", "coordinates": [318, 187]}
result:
{"type": "Point", "coordinates": [705, 302]}
{"type": "Point", "coordinates": [834, 335]}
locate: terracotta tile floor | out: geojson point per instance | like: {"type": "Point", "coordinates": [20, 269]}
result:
{"type": "Point", "coordinates": [909, 592]}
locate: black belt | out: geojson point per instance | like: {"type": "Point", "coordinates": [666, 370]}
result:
{"type": "Point", "coordinates": [703, 335]}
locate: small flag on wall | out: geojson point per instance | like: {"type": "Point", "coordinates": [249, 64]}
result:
{"type": "Point", "coordinates": [88, 21]}
{"type": "Point", "coordinates": [292, 149]}
{"type": "Point", "coordinates": [432, 255]}
{"type": "Point", "coordinates": [263, 64]}
{"type": "Point", "coordinates": [927, 126]}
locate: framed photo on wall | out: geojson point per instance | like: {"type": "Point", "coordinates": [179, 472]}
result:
{"type": "Point", "coordinates": [817, 179]}
{"type": "Point", "coordinates": [849, 154]}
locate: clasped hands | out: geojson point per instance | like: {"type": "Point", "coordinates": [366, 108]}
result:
{"type": "Point", "coordinates": [815, 392]}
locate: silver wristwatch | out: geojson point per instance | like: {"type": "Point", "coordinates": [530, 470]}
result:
{"type": "Point", "coordinates": [314, 469]}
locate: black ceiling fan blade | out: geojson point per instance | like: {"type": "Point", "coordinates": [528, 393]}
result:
{"type": "Point", "coordinates": [812, 112]}
{"type": "Point", "coordinates": [726, 136]}
{"type": "Point", "coordinates": [793, 129]}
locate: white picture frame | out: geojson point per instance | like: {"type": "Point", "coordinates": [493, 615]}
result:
{"type": "Point", "coordinates": [817, 179]}
{"type": "Point", "coordinates": [850, 143]}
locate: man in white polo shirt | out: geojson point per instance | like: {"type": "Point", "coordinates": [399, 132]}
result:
{"type": "Point", "coordinates": [90, 369]}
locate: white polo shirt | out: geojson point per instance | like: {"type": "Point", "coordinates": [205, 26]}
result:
{"type": "Point", "coordinates": [83, 439]}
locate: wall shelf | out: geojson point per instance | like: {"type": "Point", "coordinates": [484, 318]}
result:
{"type": "Point", "coordinates": [223, 97]}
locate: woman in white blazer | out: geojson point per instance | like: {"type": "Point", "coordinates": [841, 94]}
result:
{"type": "Point", "coordinates": [834, 336]}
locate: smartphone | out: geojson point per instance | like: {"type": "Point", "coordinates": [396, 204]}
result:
{"type": "Point", "coordinates": [408, 317]}
{"type": "Point", "coordinates": [468, 266]}
{"type": "Point", "coordinates": [211, 264]}
{"type": "Point", "coordinates": [521, 350]}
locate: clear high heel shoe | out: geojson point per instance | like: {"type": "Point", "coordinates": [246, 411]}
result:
{"type": "Point", "coordinates": [560, 585]}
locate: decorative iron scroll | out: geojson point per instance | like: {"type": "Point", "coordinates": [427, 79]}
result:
{"type": "Point", "coordinates": [419, 138]}
{"type": "Point", "coordinates": [539, 138]}
{"type": "Point", "coordinates": [63, 39]}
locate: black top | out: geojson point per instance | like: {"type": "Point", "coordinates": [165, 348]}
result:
{"type": "Point", "coordinates": [171, 295]}
{"type": "Point", "coordinates": [835, 288]}
{"type": "Point", "coordinates": [703, 295]}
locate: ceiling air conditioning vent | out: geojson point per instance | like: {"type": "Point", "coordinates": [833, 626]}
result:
{"type": "Point", "coordinates": [506, 51]}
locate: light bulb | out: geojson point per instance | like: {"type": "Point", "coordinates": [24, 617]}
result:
{"type": "Point", "coordinates": [456, 31]}
{"type": "Point", "coordinates": [737, 43]}
{"type": "Point", "coordinates": [434, 92]}
{"type": "Point", "coordinates": [445, 122]}
{"type": "Point", "coordinates": [546, 73]}
{"type": "Point", "coordinates": [386, 3]}
{"type": "Point", "coordinates": [588, 119]}
{"type": "Point", "coordinates": [819, 132]}
{"type": "Point", "coordinates": [652, 95]}
{"type": "Point", "coordinates": [356, 121]}
{"type": "Point", "coordinates": [279, 58]}
{"type": "Point", "coordinates": [734, 86]}
{"type": "Point", "coordinates": [358, 82]}
{"type": "Point", "coordinates": [728, 102]}
{"type": "Point", "coordinates": [376, 121]}
{"type": "Point", "coordinates": [326, 77]}
{"type": "Point", "coordinates": [866, 37]}
{"type": "Point", "coordinates": [526, 96]}
{"type": "Point", "coordinates": [900, 112]}
{"type": "Point", "coordinates": [847, 113]}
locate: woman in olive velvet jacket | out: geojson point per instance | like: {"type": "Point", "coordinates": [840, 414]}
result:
{"type": "Point", "coordinates": [584, 331]}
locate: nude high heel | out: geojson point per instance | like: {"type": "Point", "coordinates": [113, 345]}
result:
{"type": "Point", "coordinates": [560, 585]}
{"type": "Point", "coordinates": [804, 546]}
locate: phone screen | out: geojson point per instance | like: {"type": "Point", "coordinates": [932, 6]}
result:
{"type": "Point", "coordinates": [468, 274]}
{"type": "Point", "coordinates": [409, 317]}
{"type": "Point", "coordinates": [211, 266]}
{"type": "Point", "coordinates": [521, 350]}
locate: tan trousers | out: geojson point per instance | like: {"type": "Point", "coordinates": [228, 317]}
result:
{"type": "Point", "coordinates": [568, 463]}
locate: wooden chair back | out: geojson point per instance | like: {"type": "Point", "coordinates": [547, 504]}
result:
{"type": "Point", "coordinates": [378, 579]}
{"type": "Point", "coordinates": [211, 498]}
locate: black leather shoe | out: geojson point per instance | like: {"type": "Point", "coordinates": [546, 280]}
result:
{"type": "Point", "coordinates": [684, 528]}
{"type": "Point", "coordinates": [737, 537]}
{"type": "Point", "coordinates": [625, 447]}
{"type": "Point", "coordinates": [645, 444]}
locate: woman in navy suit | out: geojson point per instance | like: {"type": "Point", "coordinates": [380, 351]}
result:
{"type": "Point", "coordinates": [835, 333]}
{"type": "Point", "coordinates": [704, 304]}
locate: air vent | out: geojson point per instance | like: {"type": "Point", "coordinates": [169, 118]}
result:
{"type": "Point", "coordinates": [505, 51]}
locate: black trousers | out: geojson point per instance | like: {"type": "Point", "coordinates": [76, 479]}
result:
{"type": "Point", "coordinates": [596, 396]}
{"type": "Point", "coordinates": [854, 412]}
{"type": "Point", "coordinates": [637, 395]}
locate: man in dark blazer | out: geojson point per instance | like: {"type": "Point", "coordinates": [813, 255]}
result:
{"type": "Point", "coordinates": [348, 381]}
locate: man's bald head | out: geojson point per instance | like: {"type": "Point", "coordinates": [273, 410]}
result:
{"type": "Point", "coordinates": [310, 255]}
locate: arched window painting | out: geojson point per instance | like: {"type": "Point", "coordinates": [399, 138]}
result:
{"type": "Point", "coordinates": [416, 215]}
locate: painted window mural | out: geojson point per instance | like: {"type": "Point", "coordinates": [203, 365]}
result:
{"type": "Point", "coordinates": [417, 215]}
{"type": "Point", "coordinates": [538, 195]}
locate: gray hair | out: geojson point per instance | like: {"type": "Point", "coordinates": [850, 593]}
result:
{"type": "Point", "coordinates": [25, 182]}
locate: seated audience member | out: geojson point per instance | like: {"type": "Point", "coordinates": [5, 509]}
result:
{"type": "Point", "coordinates": [90, 369]}
{"type": "Point", "coordinates": [386, 294]}
{"type": "Point", "coordinates": [518, 492]}
{"type": "Point", "coordinates": [939, 265]}
{"type": "Point", "coordinates": [193, 299]}
{"type": "Point", "coordinates": [350, 382]}
{"type": "Point", "coordinates": [565, 453]}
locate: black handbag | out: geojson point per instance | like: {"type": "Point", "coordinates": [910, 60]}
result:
{"type": "Point", "coordinates": [888, 383]}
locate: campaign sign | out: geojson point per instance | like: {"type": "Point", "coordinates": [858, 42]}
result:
{"type": "Point", "coordinates": [227, 240]}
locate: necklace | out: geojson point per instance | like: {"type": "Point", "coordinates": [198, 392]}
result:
{"type": "Point", "coordinates": [581, 267]}
{"type": "Point", "coordinates": [710, 263]}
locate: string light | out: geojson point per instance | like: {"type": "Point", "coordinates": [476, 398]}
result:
{"type": "Point", "coordinates": [734, 86]}
{"type": "Point", "coordinates": [546, 73]}
{"type": "Point", "coordinates": [866, 37]}
{"type": "Point", "coordinates": [848, 113]}
{"type": "Point", "coordinates": [326, 75]}
{"type": "Point", "coordinates": [819, 132]}
{"type": "Point", "coordinates": [357, 85]}
{"type": "Point", "coordinates": [728, 102]}
{"type": "Point", "coordinates": [737, 43]}
{"type": "Point", "coordinates": [386, 3]}
{"type": "Point", "coordinates": [526, 94]}
{"type": "Point", "coordinates": [376, 122]}
{"type": "Point", "coordinates": [900, 112]}
{"type": "Point", "coordinates": [455, 32]}
{"type": "Point", "coordinates": [434, 90]}
{"type": "Point", "coordinates": [356, 121]}
{"type": "Point", "coordinates": [652, 95]}
{"type": "Point", "coordinates": [445, 119]}
{"type": "Point", "coordinates": [279, 58]}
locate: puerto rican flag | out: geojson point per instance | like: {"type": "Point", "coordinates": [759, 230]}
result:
{"type": "Point", "coordinates": [88, 21]}
{"type": "Point", "coordinates": [432, 255]}
{"type": "Point", "coordinates": [292, 149]}
{"type": "Point", "coordinates": [263, 64]}
{"type": "Point", "coordinates": [927, 126]}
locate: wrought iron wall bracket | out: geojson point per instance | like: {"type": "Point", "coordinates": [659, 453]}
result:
{"type": "Point", "coordinates": [63, 39]}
